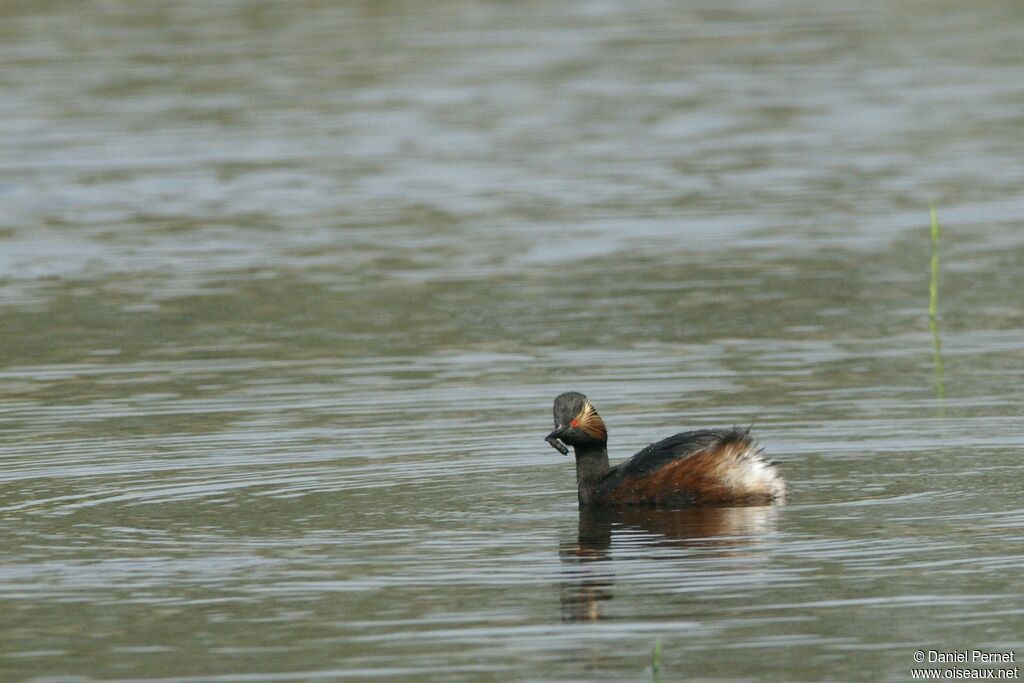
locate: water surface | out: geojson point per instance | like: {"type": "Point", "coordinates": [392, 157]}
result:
{"type": "Point", "coordinates": [286, 290]}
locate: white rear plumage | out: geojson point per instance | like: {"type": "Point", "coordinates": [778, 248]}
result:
{"type": "Point", "coordinates": [743, 467]}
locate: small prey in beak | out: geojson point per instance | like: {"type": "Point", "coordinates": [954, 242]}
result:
{"type": "Point", "coordinates": [553, 441]}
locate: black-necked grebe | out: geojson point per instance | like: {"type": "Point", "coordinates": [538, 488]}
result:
{"type": "Point", "coordinates": [703, 467]}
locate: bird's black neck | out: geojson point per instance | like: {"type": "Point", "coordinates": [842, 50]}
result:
{"type": "Point", "coordinates": [591, 467]}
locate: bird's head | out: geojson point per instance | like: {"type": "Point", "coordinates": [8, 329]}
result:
{"type": "Point", "coordinates": [576, 423]}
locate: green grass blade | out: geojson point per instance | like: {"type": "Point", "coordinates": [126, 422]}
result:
{"type": "Point", "coordinates": [933, 309]}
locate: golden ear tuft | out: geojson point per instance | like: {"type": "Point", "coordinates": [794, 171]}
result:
{"type": "Point", "coordinates": [591, 423]}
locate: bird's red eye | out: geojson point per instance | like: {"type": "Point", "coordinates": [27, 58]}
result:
{"type": "Point", "coordinates": [574, 423]}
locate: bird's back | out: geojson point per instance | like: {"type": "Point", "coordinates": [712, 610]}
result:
{"type": "Point", "coordinates": [703, 467]}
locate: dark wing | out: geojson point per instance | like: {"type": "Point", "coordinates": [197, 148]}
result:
{"type": "Point", "coordinates": [676, 447]}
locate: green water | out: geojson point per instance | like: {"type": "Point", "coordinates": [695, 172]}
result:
{"type": "Point", "coordinates": [286, 291]}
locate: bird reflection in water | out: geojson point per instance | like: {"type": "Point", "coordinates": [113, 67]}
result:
{"type": "Point", "coordinates": [588, 564]}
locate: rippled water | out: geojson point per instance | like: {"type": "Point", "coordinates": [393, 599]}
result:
{"type": "Point", "coordinates": [286, 290]}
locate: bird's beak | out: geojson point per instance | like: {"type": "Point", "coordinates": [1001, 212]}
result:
{"type": "Point", "coordinates": [553, 440]}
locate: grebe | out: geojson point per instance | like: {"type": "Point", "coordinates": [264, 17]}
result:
{"type": "Point", "coordinates": [703, 467]}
